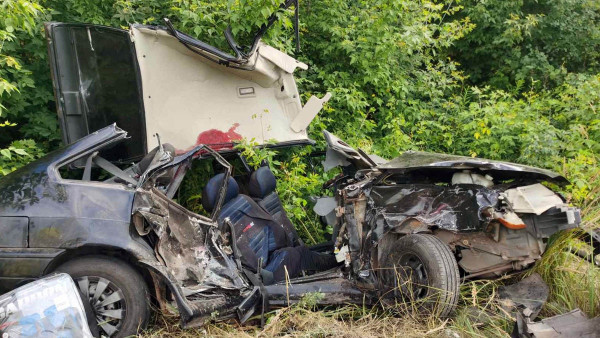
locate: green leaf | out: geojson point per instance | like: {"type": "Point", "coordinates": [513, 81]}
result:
{"type": "Point", "coordinates": [20, 152]}
{"type": "Point", "coordinates": [6, 153]}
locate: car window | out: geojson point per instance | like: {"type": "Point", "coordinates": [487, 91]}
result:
{"type": "Point", "coordinates": [189, 194]}
{"type": "Point", "coordinates": [69, 171]}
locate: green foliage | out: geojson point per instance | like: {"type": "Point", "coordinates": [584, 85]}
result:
{"type": "Point", "coordinates": [255, 156]}
{"type": "Point", "coordinates": [17, 154]}
{"type": "Point", "coordinates": [189, 194]}
{"type": "Point", "coordinates": [17, 18]}
{"type": "Point", "coordinates": [297, 182]}
{"type": "Point", "coordinates": [529, 41]}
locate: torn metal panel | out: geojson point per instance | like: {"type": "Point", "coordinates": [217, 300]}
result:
{"type": "Point", "coordinates": [210, 102]}
{"type": "Point", "coordinates": [153, 79]}
{"type": "Point", "coordinates": [525, 300]}
{"type": "Point", "coordinates": [551, 221]}
{"type": "Point", "coordinates": [325, 207]}
{"type": "Point", "coordinates": [95, 79]}
{"type": "Point", "coordinates": [534, 198]}
{"type": "Point", "coordinates": [456, 208]}
{"type": "Point", "coordinates": [334, 159]}
{"type": "Point", "coordinates": [339, 153]}
{"type": "Point", "coordinates": [572, 324]}
{"type": "Point", "coordinates": [530, 292]}
{"type": "Point", "coordinates": [188, 244]}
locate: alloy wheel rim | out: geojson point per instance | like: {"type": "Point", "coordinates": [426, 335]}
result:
{"type": "Point", "coordinates": [107, 302]}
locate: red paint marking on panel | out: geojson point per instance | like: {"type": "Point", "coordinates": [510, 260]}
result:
{"type": "Point", "coordinates": [216, 139]}
{"type": "Point", "coordinates": [214, 136]}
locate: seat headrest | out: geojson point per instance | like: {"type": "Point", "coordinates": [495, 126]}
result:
{"type": "Point", "coordinates": [262, 182]}
{"type": "Point", "coordinates": [210, 194]}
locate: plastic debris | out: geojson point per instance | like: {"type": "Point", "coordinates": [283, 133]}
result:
{"type": "Point", "coordinates": [48, 307]}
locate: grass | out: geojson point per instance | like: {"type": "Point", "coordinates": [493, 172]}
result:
{"type": "Point", "coordinates": [573, 283]}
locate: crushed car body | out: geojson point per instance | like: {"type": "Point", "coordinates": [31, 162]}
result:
{"type": "Point", "coordinates": [496, 216]}
{"type": "Point", "coordinates": [407, 229]}
{"type": "Point", "coordinates": [427, 226]}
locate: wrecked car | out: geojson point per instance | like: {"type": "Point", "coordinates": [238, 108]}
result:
{"type": "Point", "coordinates": [407, 229]}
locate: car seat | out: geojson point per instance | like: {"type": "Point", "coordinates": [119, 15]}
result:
{"type": "Point", "coordinates": [263, 244]}
{"type": "Point", "coordinates": [262, 188]}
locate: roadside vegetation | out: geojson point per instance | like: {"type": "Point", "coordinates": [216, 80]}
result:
{"type": "Point", "coordinates": [507, 80]}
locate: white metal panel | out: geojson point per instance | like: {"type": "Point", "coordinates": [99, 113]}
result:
{"type": "Point", "coordinates": [190, 100]}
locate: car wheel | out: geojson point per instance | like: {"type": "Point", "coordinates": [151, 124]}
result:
{"type": "Point", "coordinates": [422, 269]}
{"type": "Point", "coordinates": [117, 293]}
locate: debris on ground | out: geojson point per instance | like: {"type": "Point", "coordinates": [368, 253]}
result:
{"type": "Point", "coordinates": [525, 300]}
{"type": "Point", "coordinates": [49, 307]}
{"type": "Point", "coordinates": [529, 294]}
{"type": "Point", "coordinates": [571, 324]}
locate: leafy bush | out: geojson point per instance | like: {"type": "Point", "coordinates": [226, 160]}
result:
{"type": "Point", "coordinates": [17, 18]}
{"type": "Point", "coordinates": [536, 42]}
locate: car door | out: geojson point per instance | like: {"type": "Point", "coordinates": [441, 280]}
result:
{"type": "Point", "coordinates": [14, 232]}
{"type": "Point", "coordinates": [96, 83]}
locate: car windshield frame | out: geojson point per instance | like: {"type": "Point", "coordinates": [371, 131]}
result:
{"type": "Point", "coordinates": [199, 152]}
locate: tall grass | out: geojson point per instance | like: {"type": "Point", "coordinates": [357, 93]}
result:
{"type": "Point", "coordinates": [573, 281]}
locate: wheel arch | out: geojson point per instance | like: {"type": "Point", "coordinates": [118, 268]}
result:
{"type": "Point", "coordinates": [407, 227]}
{"type": "Point", "coordinates": [115, 253]}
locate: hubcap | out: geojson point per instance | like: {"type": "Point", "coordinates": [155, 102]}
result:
{"type": "Point", "coordinates": [107, 302]}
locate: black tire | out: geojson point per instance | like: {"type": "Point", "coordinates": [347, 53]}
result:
{"type": "Point", "coordinates": [125, 293]}
{"type": "Point", "coordinates": [431, 268]}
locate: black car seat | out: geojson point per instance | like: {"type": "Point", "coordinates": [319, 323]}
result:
{"type": "Point", "coordinates": [262, 188]}
{"type": "Point", "coordinates": [261, 242]}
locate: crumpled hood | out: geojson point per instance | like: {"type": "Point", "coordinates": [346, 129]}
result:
{"type": "Point", "coordinates": [419, 160]}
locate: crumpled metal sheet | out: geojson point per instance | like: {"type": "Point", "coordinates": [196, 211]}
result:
{"type": "Point", "coordinates": [525, 300]}
{"type": "Point", "coordinates": [572, 324]}
{"type": "Point", "coordinates": [334, 159]}
{"type": "Point", "coordinates": [455, 208]}
{"type": "Point", "coordinates": [531, 293]}
{"type": "Point", "coordinates": [325, 206]}
{"type": "Point", "coordinates": [188, 244]}
{"type": "Point", "coordinates": [417, 160]}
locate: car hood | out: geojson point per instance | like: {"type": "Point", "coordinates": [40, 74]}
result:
{"type": "Point", "coordinates": [339, 153]}
{"type": "Point", "coordinates": [419, 160]}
